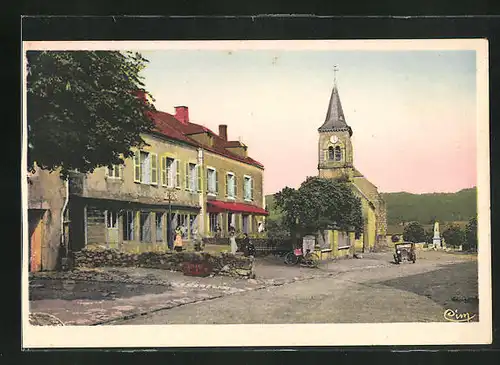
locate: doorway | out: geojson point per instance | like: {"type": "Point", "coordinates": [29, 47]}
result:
{"type": "Point", "coordinates": [35, 223]}
{"type": "Point", "coordinates": [112, 226]}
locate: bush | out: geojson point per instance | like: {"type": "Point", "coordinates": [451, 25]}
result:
{"type": "Point", "coordinates": [454, 236]}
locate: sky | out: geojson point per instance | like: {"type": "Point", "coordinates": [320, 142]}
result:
{"type": "Point", "coordinates": [413, 113]}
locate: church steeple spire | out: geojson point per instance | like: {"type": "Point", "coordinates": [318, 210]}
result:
{"type": "Point", "coordinates": [335, 119]}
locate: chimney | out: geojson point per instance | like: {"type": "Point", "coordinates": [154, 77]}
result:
{"type": "Point", "coordinates": [223, 131]}
{"type": "Point", "coordinates": [182, 114]}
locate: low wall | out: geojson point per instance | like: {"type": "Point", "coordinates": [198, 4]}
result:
{"type": "Point", "coordinates": [222, 264]}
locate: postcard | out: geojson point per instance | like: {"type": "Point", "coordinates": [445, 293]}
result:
{"type": "Point", "coordinates": [256, 193]}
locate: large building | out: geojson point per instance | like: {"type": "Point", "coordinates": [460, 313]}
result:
{"type": "Point", "coordinates": [335, 160]}
{"type": "Point", "coordinates": [186, 175]}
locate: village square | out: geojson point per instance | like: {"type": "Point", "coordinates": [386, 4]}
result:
{"type": "Point", "coordinates": [183, 232]}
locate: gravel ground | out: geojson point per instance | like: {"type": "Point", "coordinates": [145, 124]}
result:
{"type": "Point", "coordinates": [371, 289]}
{"type": "Point", "coordinates": [386, 292]}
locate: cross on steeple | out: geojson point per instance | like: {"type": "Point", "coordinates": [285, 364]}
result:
{"type": "Point", "coordinates": [335, 69]}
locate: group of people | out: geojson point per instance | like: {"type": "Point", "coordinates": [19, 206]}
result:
{"type": "Point", "coordinates": [247, 248]}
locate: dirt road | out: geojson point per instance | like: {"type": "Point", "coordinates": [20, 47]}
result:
{"type": "Point", "coordinates": [418, 292]}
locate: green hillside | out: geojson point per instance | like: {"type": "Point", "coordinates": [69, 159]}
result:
{"type": "Point", "coordinates": [424, 208]}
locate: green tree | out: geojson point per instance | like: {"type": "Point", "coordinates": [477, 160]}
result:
{"type": "Point", "coordinates": [471, 235]}
{"type": "Point", "coordinates": [83, 108]}
{"type": "Point", "coordinates": [454, 236]}
{"type": "Point", "coordinates": [320, 204]}
{"type": "Point", "coordinates": [414, 232]}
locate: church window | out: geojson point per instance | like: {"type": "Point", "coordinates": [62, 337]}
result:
{"type": "Point", "coordinates": [338, 154]}
{"type": "Point", "coordinates": [330, 153]}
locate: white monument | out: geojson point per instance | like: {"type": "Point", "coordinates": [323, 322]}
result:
{"type": "Point", "coordinates": [436, 239]}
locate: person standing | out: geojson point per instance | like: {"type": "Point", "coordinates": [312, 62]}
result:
{"type": "Point", "coordinates": [178, 239]}
{"type": "Point", "coordinates": [232, 242]}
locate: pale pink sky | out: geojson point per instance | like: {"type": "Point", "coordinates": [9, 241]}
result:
{"type": "Point", "coordinates": [413, 113]}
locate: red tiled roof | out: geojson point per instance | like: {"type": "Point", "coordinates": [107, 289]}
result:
{"type": "Point", "coordinates": [217, 206]}
{"type": "Point", "coordinates": [169, 126]}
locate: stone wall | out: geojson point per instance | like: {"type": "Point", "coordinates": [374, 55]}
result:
{"type": "Point", "coordinates": [222, 264]}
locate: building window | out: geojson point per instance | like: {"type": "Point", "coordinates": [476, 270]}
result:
{"type": "Point", "coordinates": [338, 154]}
{"type": "Point", "coordinates": [193, 224]}
{"type": "Point", "coordinates": [114, 172]}
{"type": "Point", "coordinates": [191, 177]}
{"type": "Point", "coordinates": [111, 219]}
{"type": "Point", "coordinates": [214, 221]}
{"type": "Point", "coordinates": [128, 226]}
{"type": "Point", "coordinates": [248, 188]}
{"type": "Point", "coordinates": [231, 222]}
{"type": "Point", "coordinates": [212, 183]}
{"type": "Point", "coordinates": [146, 167]}
{"type": "Point", "coordinates": [182, 222]}
{"type": "Point", "coordinates": [331, 153]}
{"type": "Point", "coordinates": [159, 227]}
{"type": "Point", "coordinates": [168, 172]}
{"type": "Point", "coordinates": [145, 226]}
{"type": "Point", "coordinates": [245, 223]}
{"type": "Point", "coordinates": [230, 185]}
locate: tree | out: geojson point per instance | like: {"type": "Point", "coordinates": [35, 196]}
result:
{"type": "Point", "coordinates": [471, 235]}
{"type": "Point", "coordinates": [83, 109]}
{"type": "Point", "coordinates": [414, 232]}
{"type": "Point", "coordinates": [429, 236]}
{"type": "Point", "coordinates": [320, 204]}
{"type": "Point", "coordinates": [454, 236]}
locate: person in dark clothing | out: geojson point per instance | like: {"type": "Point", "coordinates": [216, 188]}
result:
{"type": "Point", "coordinates": [248, 246]}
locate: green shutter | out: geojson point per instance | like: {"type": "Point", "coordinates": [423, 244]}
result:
{"type": "Point", "coordinates": [227, 185]}
{"type": "Point", "coordinates": [154, 168]}
{"type": "Point", "coordinates": [251, 188]}
{"type": "Point", "coordinates": [137, 166]}
{"type": "Point", "coordinates": [186, 175]}
{"type": "Point", "coordinates": [198, 172]}
{"type": "Point", "coordinates": [235, 186]}
{"type": "Point", "coordinates": [163, 170]}
{"type": "Point", "coordinates": [177, 174]}
{"type": "Point", "coordinates": [216, 183]}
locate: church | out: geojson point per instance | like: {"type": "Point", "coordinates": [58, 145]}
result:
{"type": "Point", "coordinates": [335, 160]}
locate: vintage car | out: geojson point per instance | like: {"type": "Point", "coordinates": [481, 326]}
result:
{"type": "Point", "coordinates": [405, 251]}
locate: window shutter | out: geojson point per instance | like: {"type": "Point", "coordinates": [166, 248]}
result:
{"type": "Point", "coordinates": [227, 185]}
{"type": "Point", "coordinates": [154, 168]}
{"type": "Point", "coordinates": [177, 174]}
{"type": "Point", "coordinates": [216, 182]}
{"type": "Point", "coordinates": [235, 191]}
{"type": "Point", "coordinates": [137, 166]}
{"type": "Point", "coordinates": [187, 176]}
{"type": "Point", "coordinates": [251, 188]}
{"type": "Point", "coordinates": [208, 178]}
{"type": "Point", "coordinates": [163, 170]}
{"type": "Point", "coordinates": [199, 172]}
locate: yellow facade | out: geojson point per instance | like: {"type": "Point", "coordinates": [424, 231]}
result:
{"type": "Point", "coordinates": [138, 206]}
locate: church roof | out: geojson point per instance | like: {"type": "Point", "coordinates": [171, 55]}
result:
{"type": "Point", "coordinates": [335, 119]}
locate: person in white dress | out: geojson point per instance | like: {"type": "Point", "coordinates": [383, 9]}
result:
{"type": "Point", "coordinates": [232, 241]}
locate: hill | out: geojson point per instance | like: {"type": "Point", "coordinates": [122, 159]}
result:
{"type": "Point", "coordinates": [424, 208]}
{"type": "Point", "coordinates": [427, 208]}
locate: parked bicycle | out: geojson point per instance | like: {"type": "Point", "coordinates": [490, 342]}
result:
{"type": "Point", "coordinates": [310, 259]}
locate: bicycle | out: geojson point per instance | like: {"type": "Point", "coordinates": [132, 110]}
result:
{"type": "Point", "coordinates": [310, 259]}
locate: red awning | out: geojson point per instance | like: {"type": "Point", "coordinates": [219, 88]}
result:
{"type": "Point", "coordinates": [217, 206]}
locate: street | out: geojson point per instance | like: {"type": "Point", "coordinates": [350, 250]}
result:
{"type": "Point", "coordinates": [368, 290]}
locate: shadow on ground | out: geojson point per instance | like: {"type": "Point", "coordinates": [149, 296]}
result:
{"type": "Point", "coordinates": [41, 289]}
{"type": "Point", "coordinates": [453, 286]}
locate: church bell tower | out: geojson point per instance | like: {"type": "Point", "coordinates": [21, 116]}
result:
{"type": "Point", "coordinates": [335, 157]}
